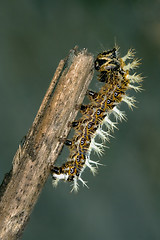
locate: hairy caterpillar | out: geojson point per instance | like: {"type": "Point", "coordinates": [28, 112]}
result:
{"type": "Point", "coordinates": [114, 72]}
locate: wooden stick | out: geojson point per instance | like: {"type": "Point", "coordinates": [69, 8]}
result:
{"type": "Point", "coordinates": [31, 164]}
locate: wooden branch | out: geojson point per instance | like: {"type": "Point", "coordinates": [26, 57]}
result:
{"type": "Point", "coordinates": [31, 164]}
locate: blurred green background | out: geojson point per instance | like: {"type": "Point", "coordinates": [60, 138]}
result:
{"type": "Point", "coordinates": [123, 201]}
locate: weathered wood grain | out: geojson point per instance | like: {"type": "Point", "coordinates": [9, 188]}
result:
{"type": "Point", "coordinates": [31, 164]}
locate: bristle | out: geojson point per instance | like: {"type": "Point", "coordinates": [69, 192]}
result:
{"type": "Point", "coordinates": [97, 147]}
{"type": "Point", "coordinates": [103, 135]}
{"type": "Point", "coordinates": [135, 78]}
{"type": "Point", "coordinates": [119, 115]}
{"type": "Point", "coordinates": [130, 55]}
{"type": "Point", "coordinates": [109, 124]}
{"type": "Point", "coordinates": [136, 88]}
{"type": "Point", "coordinates": [129, 100]}
{"type": "Point", "coordinates": [75, 185]}
{"type": "Point", "coordinates": [132, 65]}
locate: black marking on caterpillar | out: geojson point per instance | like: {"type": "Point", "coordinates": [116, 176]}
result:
{"type": "Point", "coordinates": [115, 73]}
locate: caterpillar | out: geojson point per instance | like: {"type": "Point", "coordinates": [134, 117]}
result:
{"type": "Point", "coordinates": [114, 72]}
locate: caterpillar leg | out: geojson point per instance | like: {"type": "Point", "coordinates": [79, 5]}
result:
{"type": "Point", "coordinates": [57, 175]}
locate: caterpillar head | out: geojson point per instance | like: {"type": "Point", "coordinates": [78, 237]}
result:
{"type": "Point", "coordinates": [107, 61]}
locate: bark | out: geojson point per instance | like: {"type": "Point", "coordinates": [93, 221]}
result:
{"type": "Point", "coordinates": [21, 187]}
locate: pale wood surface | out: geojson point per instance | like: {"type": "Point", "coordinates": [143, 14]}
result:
{"type": "Point", "coordinates": [31, 164]}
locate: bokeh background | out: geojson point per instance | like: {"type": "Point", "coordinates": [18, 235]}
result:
{"type": "Point", "coordinates": [123, 201]}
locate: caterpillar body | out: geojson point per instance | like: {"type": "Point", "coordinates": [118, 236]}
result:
{"type": "Point", "coordinates": [115, 73]}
